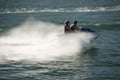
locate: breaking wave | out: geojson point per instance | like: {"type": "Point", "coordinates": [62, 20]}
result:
{"type": "Point", "coordinates": [79, 9]}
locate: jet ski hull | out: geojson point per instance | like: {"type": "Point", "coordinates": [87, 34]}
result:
{"type": "Point", "coordinates": [94, 33]}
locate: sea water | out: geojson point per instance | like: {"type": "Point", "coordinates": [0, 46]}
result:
{"type": "Point", "coordinates": [33, 45]}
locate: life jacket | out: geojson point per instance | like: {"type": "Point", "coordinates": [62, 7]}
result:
{"type": "Point", "coordinates": [73, 28]}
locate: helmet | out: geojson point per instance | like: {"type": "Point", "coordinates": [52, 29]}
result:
{"type": "Point", "coordinates": [67, 21]}
{"type": "Point", "coordinates": [75, 21]}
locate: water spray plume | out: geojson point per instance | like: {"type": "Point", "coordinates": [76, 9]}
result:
{"type": "Point", "coordinates": [35, 40]}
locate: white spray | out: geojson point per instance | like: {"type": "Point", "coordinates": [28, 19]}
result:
{"type": "Point", "coordinates": [35, 40]}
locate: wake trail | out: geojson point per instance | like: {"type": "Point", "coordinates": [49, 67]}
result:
{"type": "Point", "coordinates": [36, 40]}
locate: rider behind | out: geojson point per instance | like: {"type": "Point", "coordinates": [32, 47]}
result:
{"type": "Point", "coordinates": [67, 26]}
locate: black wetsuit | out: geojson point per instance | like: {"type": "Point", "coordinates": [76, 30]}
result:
{"type": "Point", "coordinates": [73, 28]}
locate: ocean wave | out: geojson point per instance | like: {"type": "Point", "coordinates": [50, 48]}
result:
{"type": "Point", "coordinates": [79, 9]}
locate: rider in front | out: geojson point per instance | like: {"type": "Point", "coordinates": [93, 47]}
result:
{"type": "Point", "coordinates": [74, 27]}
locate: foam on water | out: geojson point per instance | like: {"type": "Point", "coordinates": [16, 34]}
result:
{"type": "Point", "coordinates": [35, 40]}
{"type": "Point", "coordinates": [77, 9]}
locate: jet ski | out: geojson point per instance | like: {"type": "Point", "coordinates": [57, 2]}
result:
{"type": "Point", "coordinates": [88, 30]}
{"type": "Point", "coordinates": [94, 34]}
{"type": "Point", "coordinates": [84, 30]}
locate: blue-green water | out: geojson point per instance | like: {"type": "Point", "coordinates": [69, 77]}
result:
{"type": "Point", "coordinates": [26, 55]}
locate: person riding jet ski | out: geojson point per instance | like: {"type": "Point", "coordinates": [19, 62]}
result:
{"type": "Point", "coordinates": [74, 27]}
{"type": "Point", "coordinates": [67, 26]}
